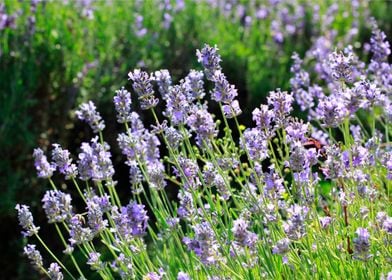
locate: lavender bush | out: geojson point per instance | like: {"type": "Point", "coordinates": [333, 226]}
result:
{"type": "Point", "coordinates": [288, 199]}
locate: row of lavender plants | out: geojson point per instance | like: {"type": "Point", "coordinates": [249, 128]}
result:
{"type": "Point", "coordinates": [286, 199]}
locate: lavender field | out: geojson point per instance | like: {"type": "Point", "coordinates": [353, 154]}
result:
{"type": "Point", "coordinates": [196, 139]}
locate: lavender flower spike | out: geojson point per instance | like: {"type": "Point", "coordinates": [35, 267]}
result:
{"type": "Point", "coordinates": [55, 272]}
{"type": "Point", "coordinates": [122, 103]}
{"type": "Point", "coordinates": [63, 162]}
{"type": "Point", "coordinates": [143, 87]}
{"type": "Point", "coordinates": [210, 59]}
{"type": "Point", "coordinates": [43, 167]}
{"type": "Point", "coordinates": [57, 206]}
{"type": "Point", "coordinates": [33, 255]}
{"type": "Point", "coordinates": [26, 220]}
{"type": "Point", "coordinates": [87, 112]}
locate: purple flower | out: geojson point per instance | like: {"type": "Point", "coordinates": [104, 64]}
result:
{"type": "Point", "coordinates": [232, 110]}
{"type": "Point", "coordinates": [156, 175]}
{"type": "Point", "coordinates": [43, 167]}
{"type": "Point", "coordinates": [87, 112]}
{"type": "Point", "coordinates": [95, 217]}
{"type": "Point", "coordinates": [362, 244]}
{"type": "Point", "coordinates": [57, 206]}
{"type": "Point", "coordinates": [325, 221]}
{"type": "Point", "coordinates": [204, 244]}
{"type": "Point", "coordinates": [54, 272]}
{"type": "Point", "coordinates": [294, 227]}
{"type": "Point", "coordinates": [95, 161]}
{"type": "Point", "coordinates": [281, 247]}
{"type": "Point", "coordinates": [131, 221]}
{"type": "Point", "coordinates": [341, 66]}
{"type": "Point", "coordinates": [78, 233]}
{"type": "Point", "coordinates": [122, 102]}
{"type": "Point", "coordinates": [256, 144]}
{"type": "Point", "coordinates": [331, 111]}
{"type": "Point", "coordinates": [195, 85]}
{"type": "Point", "coordinates": [379, 45]}
{"type": "Point", "coordinates": [186, 210]}
{"type": "Point", "coordinates": [164, 81]}
{"type": "Point", "coordinates": [177, 104]}
{"type": "Point", "coordinates": [243, 237]}
{"type": "Point", "coordinates": [210, 59]}
{"type": "Point", "coordinates": [183, 276]}
{"type": "Point", "coordinates": [26, 220]}
{"type": "Point", "coordinates": [223, 91]}
{"type": "Point", "coordinates": [263, 117]}
{"type": "Point", "coordinates": [94, 261]}
{"type": "Point", "coordinates": [63, 162]}
{"type": "Point", "coordinates": [143, 87]}
{"type": "Point", "coordinates": [33, 255]}
{"type": "Point", "coordinates": [201, 122]}
{"type": "Point", "coordinates": [281, 101]}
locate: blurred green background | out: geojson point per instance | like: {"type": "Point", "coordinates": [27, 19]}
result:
{"type": "Point", "coordinates": [56, 54]}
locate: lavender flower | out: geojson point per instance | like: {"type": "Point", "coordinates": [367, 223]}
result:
{"type": "Point", "coordinates": [63, 162]}
{"type": "Point", "coordinates": [33, 255]}
{"type": "Point", "coordinates": [95, 161]}
{"type": "Point", "coordinates": [122, 102]}
{"type": "Point", "coordinates": [331, 111]}
{"type": "Point", "coordinates": [379, 45]}
{"type": "Point", "coordinates": [341, 66]}
{"type": "Point", "coordinates": [177, 104]}
{"type": "Point", "coordinates": [223, 91]}
{"type": "Point", "coordinates": [281, 101]}
{"type": "Point", "coordinates": [94, 261]}
{"type": "Point", "coordinates": [164, 81]}
{"type": "Point", "coordinates": [263, 117]}
{"type": "Point", "coordinates": [131, 221]}
{"type": "Point", "coordinates": [57, 206]}
{"type": "Point", "coordinates": [281, 247]}
{"type": "Point", "coordinates": [325, 222]}
{"type": "Point", "coordinates": [243, 237]}
{"type": "Point", "coordinates": [295, 225]}
{"type": "Point", "coordinates": [78, 233]}
{"type": "Point", "coordinates": [183, 276]}
{"type": "Point", "coordinates": [256, 144]}
{"type": "Point", "coordinates": [95, 218]}
{"type": "Point", "coordinates": [123, 266]}
{"type": "Point", "coordinates": [26, 220]}
{"type": "Point", "coordinates": [186, 210]}
{"type": "Point", "coordinates": [54, 272]}
{"type": "Point", "coordinates": [87, 112]}
{"type": "Point", "coordinates": [43, 167]}
{"type": "Point", "coordinates": [204, 244]}
{"type": "Point", "coordinates": [143, 87]}
{"type": "Point", "coordinates": [201, 122]}
{"type": "Point", "coordinates": [232, 110]}
{"type": "Point", "coordinates": [195, 85]}
{"type": "Point", "coordinates": [362, 244]}
{"type": "Point", "coordinates": [210, 59]}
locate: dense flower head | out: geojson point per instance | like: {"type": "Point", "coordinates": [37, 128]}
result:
{"type": "Point", "coordinates": [26, 220]}
{"type": "Point", "coordinates": [143, 87]}
{"type": "Point", "coordinates": [177, 104]}
{"type": "Point", "coordinates": [57, 206]}
{"type": "Point", "coordinates": [204, 243]}
{"type": "Point", "coordinates": [331, 111]}
{"type": "Point", "coordinates": [164, 81]}
{"type": "Point", "coordinates": [201, 122]}
{"type": "Point", "coordinates": [379, 45]}
{"type": "Point", "coordinates": [232, 110]}
{"type": "Point", "coordinates": [243, 237]}
{"type": "Point", "coordinates": [195, 85]}
{"type": "Point", "coordinates": [362, 244]}
{"type": "Point", "coordinates": [62, 160]}
{"type": "Point", "coordinates": [88, 112]}
{"type": "Point", "coordinates": [263, 117]}
{"type": "Point", "coordinates": [131, 220]}
{"type": "Point", "coordinates": [77, 232]}
{"type": "Point", "coordinates": [43, 167]}
{"type": "Point", "coordinates": [33, 255]}
{"type": "Point", "coordinates": [281, 102]}
{"type": "Point", "coordinates": [95, 161]}
{"type": "Point", "coordinates": [341, 66]}
{"type": "Point", "coordinates": [183, 276]}
{"type": "Point", "coordinates": [94, 261]}
{"type": "Point", "coordinates": [122, 102]}
{"type": "Point", "coordinates": [210, 59]}
{"type": "Point", "coordinates": [256, 144]}
{"type": "Point", "coordinates": [54, 272]}
{"type": "Point", "coordinates": [186, 210]}
{"type": "Point", "coordinates": [95, 219]}
{"type": "Point", "coordinates": [223, 91]}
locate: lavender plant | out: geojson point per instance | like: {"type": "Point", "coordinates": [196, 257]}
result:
{"type": "Point", "coordinates": [272, 204]}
